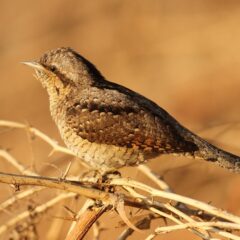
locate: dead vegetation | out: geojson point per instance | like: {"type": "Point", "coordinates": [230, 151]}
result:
{"type": "Point", "coordinates": [138, 205]}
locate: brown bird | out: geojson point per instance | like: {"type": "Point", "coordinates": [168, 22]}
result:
{"type": "Point", "coordinates": [109, 126]}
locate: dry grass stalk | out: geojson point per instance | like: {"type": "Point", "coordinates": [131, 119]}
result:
{"type": "Point", "coordinates": [180, 212]}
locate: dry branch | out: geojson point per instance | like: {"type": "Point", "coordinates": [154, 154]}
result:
{"type": "Point", "coordinates": [85, 222]}
{"type": "Point", "coordinates": [180, 212]}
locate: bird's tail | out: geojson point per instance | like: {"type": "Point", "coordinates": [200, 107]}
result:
{"type": "Point", "coordinates": [213, 154]}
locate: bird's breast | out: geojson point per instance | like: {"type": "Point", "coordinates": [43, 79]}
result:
{"type": "Point", "coordinates": [99, 156]}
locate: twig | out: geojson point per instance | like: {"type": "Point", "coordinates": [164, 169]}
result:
{"type": "Point", "coordinates": [166, 215]}
{"type": "Point", "coordinates": [4, 154]}
{"type": "Point", "coordinates": [97, 229]}
{"type": "Point", "coordinates": [9, 202]}
{"type": "Point", "coordinates": [165, 187]}
{"type": "Point", "coordinates": [202, 221]}
{"type": "Point", "coordinates": [147, 171]}
{"type": "Point", "coordinates": [66, 185]}
{"type": "Point", "coordinates": [143, 223]}
{"type": "Point", "coordinates": [86, 205]}
{"type": "Point", "coordinates": [177, 198]}
{"type": "Point", "coordinates": [85, 221]}
{"type": "Point", "coordinates": [56, 147]}
{"type": "Point", "coordinates": [204, 225]}
{"type": "Point", "coordinates": [38, 209]}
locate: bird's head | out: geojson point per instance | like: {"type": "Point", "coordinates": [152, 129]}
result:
{"type": "Point", "coordinates": [62, 68]}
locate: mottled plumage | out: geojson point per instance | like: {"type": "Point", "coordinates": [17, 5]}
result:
{"type": "Point", "coordinates": [109, 126]}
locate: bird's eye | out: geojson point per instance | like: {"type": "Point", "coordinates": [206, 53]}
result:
{"type": "Point", "coordinates": [53, 68]}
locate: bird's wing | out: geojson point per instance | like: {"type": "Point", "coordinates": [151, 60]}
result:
{"type": "Point", "coordinates": [113, 118]}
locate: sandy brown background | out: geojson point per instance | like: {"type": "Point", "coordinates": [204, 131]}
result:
{"type": "Point", "coordinates": [184, 55]}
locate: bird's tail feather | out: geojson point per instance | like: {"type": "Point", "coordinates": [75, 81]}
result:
{"type": "Point", "coordinates": [214, 154]}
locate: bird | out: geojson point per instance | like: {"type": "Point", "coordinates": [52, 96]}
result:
{"type": "Point", "coordinates": [109, 126]}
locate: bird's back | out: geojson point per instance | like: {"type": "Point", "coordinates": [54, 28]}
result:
{"type": "Point", "coordinates": [115, 117]}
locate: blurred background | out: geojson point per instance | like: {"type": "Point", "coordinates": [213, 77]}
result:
{"type": "Point", "coordinates": [184, 55]}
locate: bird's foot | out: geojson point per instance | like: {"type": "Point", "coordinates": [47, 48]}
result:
{"type": "Point", "coordinates": [97, 176]}
{"type": "Point", "coordinates": [110, 175]}
{"type": "Point", "coordinates": [92, 175]}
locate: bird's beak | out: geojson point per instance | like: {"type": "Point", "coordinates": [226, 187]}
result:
{"type": "Point", "coordinates": [35, 65]}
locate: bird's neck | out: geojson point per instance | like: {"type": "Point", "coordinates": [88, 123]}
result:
{"type": "Point", "coordinates": [58, 94]}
